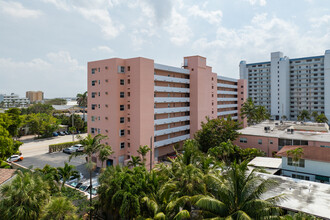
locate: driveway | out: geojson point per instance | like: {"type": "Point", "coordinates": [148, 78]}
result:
{"type": "Point", "coordinates": [33, 147]}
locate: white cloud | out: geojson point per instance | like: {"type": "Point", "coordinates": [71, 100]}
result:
{"type": "Point", "coordinates": [178, 28]}
{"type": "Point", "coordinates": [16, 9]}
{"type": "Point", "coordinates": [103, 49]}
{"type": "Point", "coordinates": [96, 11]}
{"type": "Point", "coordinates": [260, 2]}
{"type": "Point", "coordinates": [319, 21]}
{"type": "Point", "coordinates": [213, 17]}
{"type": "Point", "coordinates": [58, 74]}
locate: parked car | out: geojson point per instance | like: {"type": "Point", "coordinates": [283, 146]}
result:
{"type": "Point", "coordinates": [74, 148]}
{"type": "Point", "coordinates": [75, 184]}
{"type": "Point", "coordinates": [66, 133]}
{"type": "Point", "coordinates": [75, 179]}
{"type": "Point", "coordinates": [61, 133]}
{"type": "Point", "coordinates": [15, 158]}
{"type": "Point", "coordinates": [55, 134]}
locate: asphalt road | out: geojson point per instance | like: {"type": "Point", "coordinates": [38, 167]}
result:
{"type": "Point", "coordinates": [56, 160]}
{"type": "Point", "coordinates": [32, 147]}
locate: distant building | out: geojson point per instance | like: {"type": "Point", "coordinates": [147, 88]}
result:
{"type": "Point", "coordinates": [313, 165]}
{"type": "Point", "coordinates": [13, 101]}
{"type": "Point", "coordinates": [35, 96]}
{"type": "Point", "coordinates": [137, 102]}
{"type": "Point", "coordinates": [287, 86]}
{"type": "Point", "coordinates": [271, 136]}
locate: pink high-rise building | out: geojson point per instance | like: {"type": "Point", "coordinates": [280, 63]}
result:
{"type": "Point", "coordinates": [137, 102]}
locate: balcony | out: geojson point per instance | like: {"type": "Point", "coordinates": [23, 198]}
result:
{"type": "Point", "coordinates": [227, 112]}
{"type": "Point", "coordinates": [226, 99]}
{"type": "Point", "coordinates": [170, 68]}
{"type": "Point", "coordinates": [227, 92]}
{"type": "Point", "coordinates": [171, 130]}
{"type": "Point", "coordinates": [170, 99]}
{"type": "Point", "coordinates": [171, 110]}
{"type": "Point", "coordinates": [172, 140]}
{"type": "Point", "coordinates": [171, 120]}
{"type": "Point", "coordinates": [171, 79]}
{"type": "Point", "coordinates": [234, 117]}
{"type": "Point", "coordinates": [171, 89]}
{"type": "Point", "coordinates": [227, 106]}
{"type": "Point", "coordinates": [227, 86]}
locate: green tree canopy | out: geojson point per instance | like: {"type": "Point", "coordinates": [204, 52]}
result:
{"type": "Point", "coordinates": [38, 108]}
{"type": "Point", "coordinates": [303, 115]}
{"type": "Point", "coordinates": [216, 131]}
{"type": "Point", "coordinates": [41, 124]}
{"type": "Point", "coordinates": [56, 101]}
{"type": "Point", "coordinates": [321, 118]}
{"type": "Point", "coordinates": [253, 113]}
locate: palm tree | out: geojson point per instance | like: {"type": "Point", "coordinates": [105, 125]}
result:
{"type": "Point", "coordinates": [24, 197]}
{"type": "Point", "coordinates": [143, 150]}
{"type": "Point", "coordinates": [59, 208]}
{"type": "Point", "coordinates": [314, 115]}
{"type": "Point", "coordinates": [92, 145]}
{"type": "Point", "coordinates": [261, 114]}
{"type": "Point", "coordinates": [303, 115]}
{"type": "Point", "coordinates": [295, 154]}
{"type": "Point", "coordinates": [66, 172]}
{"type": "Point", "coordinates": [248, 111]}
{"type": "Point", "coordinates": [82, 101]}
{"type": "Point", "coordinates": [104, 153]}
{"type": "Point", "coordinates": [321, 118]}
{"type": "Point", "coordinates": [236, 195]}
{"type": "Point", "coordinates": [135, 161]}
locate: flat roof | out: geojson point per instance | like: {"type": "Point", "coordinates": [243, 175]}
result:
{"type": "Point", "coordinates": [158, 66]}
{"type": "Point", "coordinates": [309, 153]}
{"type": "Point", "coordinates": [280, 131]}
{"type": "Point", "coordinates": [300, 195]}
{"type": "Point", "coordinates": [267, 162]}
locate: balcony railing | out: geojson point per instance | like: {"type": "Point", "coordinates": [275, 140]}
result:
{"type": "Point", "coordinates": [171, 130]}
{"type": "Point", "coordinates": [171, 89]}
{"type": "Point", "coordinates": [170, 99]}
{"type": "Point", "coordinates": [223, 85]}
{"type": "Point", "coordinates": [171, 79]}
{"type": "Point", "coordinates": [171, 120]}
{"type": "Point", "coordinates": [227, 92]}
{"type": "Point", "coordinates": [172, 140]}
{"type": "Point", "coordinates": [227, 112]}
{"type": "Point", "coordinates": [171, 110]}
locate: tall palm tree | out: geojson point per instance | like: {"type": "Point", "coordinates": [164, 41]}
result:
{"type": "Point", "coordinates": [314, 115]}
{"type": "Point", "coordinates": [92, 146]}
{"type": "Point", "coordinates": [82, 101]}
{"type": "Point", "coordinates": [248, 111]}
{"type": "Point", "coordinates": [104, 153]}
{"type": "Point", "coordinates": [66, 172]}
{"type": "Point", "coordinates": [135, 161]}
{"type": "Point", "coordinates": [321, 118]}
{"type": "Point", "coordinates": [59, 208]}
{"type": "Point", "coordinates": [296, 155]}
{"type": "Point", "coordinates": [237, 195]}
{"type": "Point", "coordinates": [143, 150]}
{"type": "Point", "coordinates": [261, 114]}
{"type": "Point", "coordinates": [24, 197]}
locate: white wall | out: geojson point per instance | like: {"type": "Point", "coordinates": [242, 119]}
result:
{"type": "Point", "coordinates": [243, 71]}
{"type": "Point", "coordinates": [274, 77]}
{"type": "Point", "coordinates": [311, 166]}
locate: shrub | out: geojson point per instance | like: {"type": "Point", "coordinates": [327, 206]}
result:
{"type": "Point", "coordinates": [61, 146]}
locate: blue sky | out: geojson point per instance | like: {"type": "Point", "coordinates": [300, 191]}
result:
{"type": "Point", "coordinates": [46, 44]}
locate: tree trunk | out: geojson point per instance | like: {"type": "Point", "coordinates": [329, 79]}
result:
{"type": "Point", "coordinates": [90, 194]}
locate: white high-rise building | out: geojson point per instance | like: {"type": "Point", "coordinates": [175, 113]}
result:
{"type": "Point", "coordinates": [287, 86]}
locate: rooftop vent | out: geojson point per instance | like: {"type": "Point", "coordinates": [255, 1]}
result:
{"type": "Point", "coordinates": [290, 130]}
{"type": "Point", "coordinates": [267, 129]}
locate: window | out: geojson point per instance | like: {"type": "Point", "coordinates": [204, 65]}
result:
{"type": "Point", "coordinates": [300, 163]}
{"type": "Point", "coordinates": [122, 120]}
{"type": "Point", "coordinates": [243, 140]}
{"type": "Point", "coordinates": [121, 69]}
{"type": "Point", "coordinates": [93, 106]}
{"type": "Point", "coordinates": [270, 142]}
{"type": "Point", "coordinates": [93, 71]}
{"type": "Point", "coordinates": [93, 82]}
{"type": "Point", "coordinates": [122, 145]}
{"type": "Point", "coordinates": [93, 94]}
{"type": "Point", "coordinates": [128, 68]}
{"type": "Point", "coordinates": [259, 141]}
{"type": "Point", "coordinates": [128, 106]}
{"type": "Point", "coordinates": [129, 94]}
{"type": "Point", "coordinates": [93, 118]}
{"type": "Point", "coordinates": [128, 119]}
{"type": "Point", "coordinates": [122, 82]}
{"type": "Point", "coordinates": [122, 94]}
{"type": "Point", "coordinates": [122, 107]}
{"type": "Point", "coordinates": [93, 130]}
{"type": "Point", "coordinates": [128, 81]}
{"type": "Point", "coordinates": [122, 132]}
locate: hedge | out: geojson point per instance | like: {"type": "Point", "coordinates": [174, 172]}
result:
{"type": "Point", "coordinates": [61, 146]}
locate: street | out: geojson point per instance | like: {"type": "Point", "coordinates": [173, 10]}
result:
{"type": "Point", "coordinates": [32, 147]}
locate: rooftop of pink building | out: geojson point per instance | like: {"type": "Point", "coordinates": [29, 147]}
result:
{"type": "Point", "coordinates": [289, 130]}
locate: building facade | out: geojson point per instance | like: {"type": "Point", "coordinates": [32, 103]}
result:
{"type": "Point", "coordinates": [287, 86]}
{"type": "Point", "coordinates": [35, 96]}
{"type": "Point", "coordinates": [138, 102]}
{"type": "Point", "coordinates": [13, 101]}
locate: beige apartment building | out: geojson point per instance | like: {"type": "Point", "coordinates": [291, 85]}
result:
{"type": "Point", "coordinates": [34, 96]}
{"type": "Point", "coordinates": [138, 102]}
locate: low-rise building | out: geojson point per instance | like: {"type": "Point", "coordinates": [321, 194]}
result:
{"type": "Point", "coordinates": [313, 164]}
{"type": "Point", "coordinates": [271, 136]}
{"type": "Point", "coordinates": [13, 101]}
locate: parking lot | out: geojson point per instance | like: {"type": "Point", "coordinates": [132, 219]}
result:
{"type": "Point", "coordinates": [56, 160]}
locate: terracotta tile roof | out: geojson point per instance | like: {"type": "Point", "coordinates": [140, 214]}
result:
{"type": "Point", "coordinates": [310, 152]}
{"type": "Point", "coordinates": [6, 174]}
